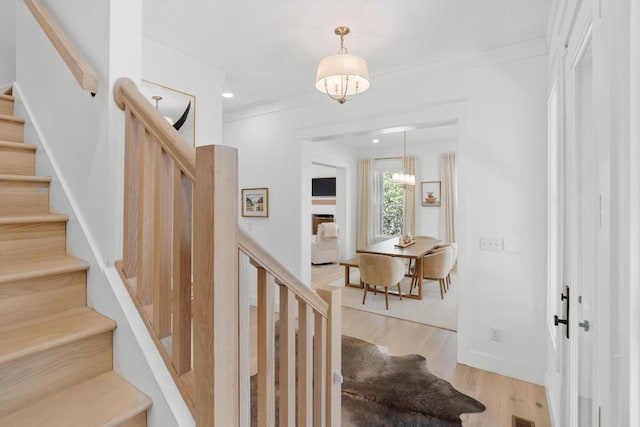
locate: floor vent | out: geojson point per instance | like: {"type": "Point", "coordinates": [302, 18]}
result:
{"type": "Point", "coordinates": [521, 422]}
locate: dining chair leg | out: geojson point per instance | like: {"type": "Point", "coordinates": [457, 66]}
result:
{"type": "Point", "coordinates": [399, 291]}
{"type": "Point", "coordinates": [366, 286]}
{"type": "Point", "coordinates": [441, 281]}
{"type": "Point", "coordinates": [386, 296]}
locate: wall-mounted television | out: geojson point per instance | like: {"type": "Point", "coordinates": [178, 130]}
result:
{"type": "Point", "coordinates": [323, 187]}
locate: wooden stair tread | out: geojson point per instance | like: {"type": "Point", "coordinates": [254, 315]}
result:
{"type": "Point", "coordinates": [47, 332]}
{"type": "Point", "coordinates": [7, 97]}
{"type": "Point", "coordinates": [11, 118]}
{"type": "Point", "coordinates": [30, 268]}
{"type": "Point", "coordinates": [30, 219]}
{"type": "Point", "coordinates": [17, 146]}
{"type": "Point", "coordinates": [22, 178]}
{"type": "Point", "coordinates": [106, 400]}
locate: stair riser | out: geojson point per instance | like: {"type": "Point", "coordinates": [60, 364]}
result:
{"type": "Point", "coordinates": [36, 240]}
{"type": "Point", "coordinates": [17, 162]}
{"type": "Point", "coordinates": [139, 420]}
{"type": "Point", "coordinates": [11, 131]}
{"type": "Point", "coordinates": [42, 296]}
{"type": "Point", "coordinates": [6, 107]}
{"type": "Point", "coordinates": [34, 376]}
{"type": "Point", "coordinates": [24, 198]}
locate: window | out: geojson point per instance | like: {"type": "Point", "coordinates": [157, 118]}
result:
{"type": "Point", "coordinates": [388, 199]}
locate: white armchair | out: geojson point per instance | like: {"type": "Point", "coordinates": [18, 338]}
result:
{"type": "Point", "coordinates": [326, 247]}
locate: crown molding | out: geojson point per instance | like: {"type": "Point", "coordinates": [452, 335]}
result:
{"type": "Point", "coordinates": [495, 55]}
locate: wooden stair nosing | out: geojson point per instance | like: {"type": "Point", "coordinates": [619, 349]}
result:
{"type": "Point", "coordinates": [17, 146]}
{"type": "Point", "coordinates": [5, 97]}
{"type": "Point", "coordinates": [33, 219]}
{"type": "Point", "coordinates": [27, 178]}
{"type": "Point", "coordinates": [40, 268]}
{"type": "Point", "coordinates": [107, 400]}
{"type": "Point", "coordinates": [7, 118]}
{"type": "Point", "coordinates": [40, 334]}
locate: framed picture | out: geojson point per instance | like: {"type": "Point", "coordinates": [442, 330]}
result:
{"type": "Point", "coordinates": [430, 193]}
{"type": "Point", "coordinates": [255, 202]}
{"type": "Point", "coordinates": [177, 107]}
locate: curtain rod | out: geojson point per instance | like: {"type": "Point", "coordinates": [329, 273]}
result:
{"type": "Point", "coordinates": [388, 158]}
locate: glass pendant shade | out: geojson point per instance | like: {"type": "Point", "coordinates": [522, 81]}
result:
{"type": "Point", "coordinates": [403, 178]}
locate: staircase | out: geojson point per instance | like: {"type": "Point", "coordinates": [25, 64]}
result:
{"type": "Point", "coordinates": [56, 356]}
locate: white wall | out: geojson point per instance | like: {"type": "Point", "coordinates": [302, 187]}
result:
{"type": "Point", "coordinates": [171, 67]}
{"type": "Point", "coordinates": [7, 42]}
{"type": "Point", "coordinates": [502, 154]}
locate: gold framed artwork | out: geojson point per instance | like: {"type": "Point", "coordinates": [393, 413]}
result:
{"type": "Point", "coordinates": [430, 194]}
{"type": "Point", "coordinates": [177, 107]}
{"type": "Point", "coordinates": [255, 202]}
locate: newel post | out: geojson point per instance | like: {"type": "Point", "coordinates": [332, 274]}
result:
{"type": "Point", "coordinates": [333, 297]}
{"type": "Point", "coordinates": [216, 317]}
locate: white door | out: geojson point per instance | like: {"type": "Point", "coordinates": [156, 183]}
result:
{"type": "Point", "coordinates": [586, 224]}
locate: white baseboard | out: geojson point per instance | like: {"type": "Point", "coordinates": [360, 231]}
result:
{"type": "Point", "coordinates": [501, 366]}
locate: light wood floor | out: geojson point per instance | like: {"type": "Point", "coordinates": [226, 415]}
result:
{"type": "Point", "coordinates": [503, 396]}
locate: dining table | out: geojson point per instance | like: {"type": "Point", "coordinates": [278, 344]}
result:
{"type": "Point", "coordinates": [414, 252]}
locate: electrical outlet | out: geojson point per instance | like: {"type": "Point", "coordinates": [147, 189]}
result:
{"type": "Point", "coordinates": [491, 244]}
{"type": "Point", "coordinates": [496, 334]}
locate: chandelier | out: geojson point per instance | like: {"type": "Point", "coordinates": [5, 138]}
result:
{"type": "Point", "coordinates": [403, 178]}
{"type": "Point", "coordinates": [342, 76]}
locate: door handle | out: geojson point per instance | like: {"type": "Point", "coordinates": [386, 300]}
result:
{"type": "Point", "coordinates": [557, 321]}
{"type": "Point", "coordinates": [584, 325]}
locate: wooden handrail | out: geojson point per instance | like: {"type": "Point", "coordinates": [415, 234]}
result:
{"type": "Point", "coordinates": [81, 70]}
{"type": "Point", "coordinates": [282, 276]}
{"type": "Point", "coordinates": [127, 95]}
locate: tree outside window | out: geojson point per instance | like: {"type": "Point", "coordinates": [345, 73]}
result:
{"type": "Point", "coordinates": [392, 206]}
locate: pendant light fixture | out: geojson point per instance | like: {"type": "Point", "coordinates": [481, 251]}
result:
{"type": "Point", "coordinates": [342, 76]}
{"type": "Point", "coordinates": [403, 178]}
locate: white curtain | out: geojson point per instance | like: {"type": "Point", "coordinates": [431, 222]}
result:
{"type": "Point", "coordinates": [449, 195]}
{"type": "Point", "coordinates": [410, 197]}
{"type": "Point", "coordinates": [365, 223]}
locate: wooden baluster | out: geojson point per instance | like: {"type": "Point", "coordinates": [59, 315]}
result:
{"type": "Point", "coordinates": [287, 377]}
{"type": "Point", "coordinates": [305, 365]}
{"type": "Point", "coordinates": [163, 226]}
{"type": "Point", "coordinates": [147, 165]}
{"type": "Point", "coordinates": [216, 295]}
{"type": "Point", "coordinates": [181, 336]}
{"type": "Point", "coordinates": [245, 338]}
{"type": "Point", "coordinates": [319, 369]}
{"type": "Point", "coordinates": [333, 297]}
{"type": "Point", "coordinates": [266, 350]}
{"type": "Point", "coordinates": [131, 195]}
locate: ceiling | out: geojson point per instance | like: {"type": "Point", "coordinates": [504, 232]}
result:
{"type": "Point", "coordinates": [270, 49]}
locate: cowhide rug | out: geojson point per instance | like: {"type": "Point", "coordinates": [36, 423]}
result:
{"type": "Point", "coordinates": [383, 390]}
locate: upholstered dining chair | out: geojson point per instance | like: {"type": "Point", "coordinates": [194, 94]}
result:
{"type": "Point", "coordinates": [381, 270]}
{"type": "Point", "coordinates": [437, 265]}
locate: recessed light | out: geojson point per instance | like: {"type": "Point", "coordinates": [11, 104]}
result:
{"type": "Point", "coordinates": [375, 141]}
{"type": "Point", "coordinates": [227, 95]}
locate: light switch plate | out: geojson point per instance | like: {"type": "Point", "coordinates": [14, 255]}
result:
{"type": "Point", "coordinates": [491, 244]}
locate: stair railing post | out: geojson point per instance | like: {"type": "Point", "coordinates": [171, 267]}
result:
{"type": "Point", "coordinates": [333, 372]}
{"type": "Point", "coordinates": [216, 289]}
